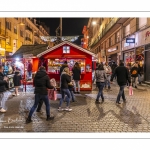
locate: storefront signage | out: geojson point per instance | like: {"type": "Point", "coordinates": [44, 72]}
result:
{"type": "Point", "coordinates": [130, 40]}
{"type": "Point", "coordinates": [113, 49]}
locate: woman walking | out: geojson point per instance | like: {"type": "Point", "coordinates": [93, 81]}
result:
{"type": "Point", "coordinates": [65, 79]}
{"type": "Point", "coordinates": [100, 76]}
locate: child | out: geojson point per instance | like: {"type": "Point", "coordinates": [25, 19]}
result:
{"type": "Point", "coordinates": [17, 82]}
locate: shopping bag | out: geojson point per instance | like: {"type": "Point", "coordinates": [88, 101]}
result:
{"type": "Point", "coordinates": [52, 94]}
{"type": "Point", "coordinates": [130, 91]}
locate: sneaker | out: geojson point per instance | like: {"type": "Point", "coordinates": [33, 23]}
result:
{"type": "Point", "coordinates": [118, 103]}
{"type": "Point", "coordinates": [18, 94]}
{"type": "Point", "coordinates": [14, 94]}
{"type": "Point", "coordinates": [2, 110]}
{"type": "Point", "coordinates": [68, 109]}
{"type": "Point", "coordinates": [109, 87]}
{"type": "Point", "coordinates": [60, 109]}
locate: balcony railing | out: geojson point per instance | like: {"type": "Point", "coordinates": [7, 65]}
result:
{"type": "Point", "coordinates": [28, 39]}
{"type": "Point", "coordinates": [29, 29]}
{"type": "Point", "coordinates": [111, 23]}
{"type": "Point", "coordinates": [2, 33]}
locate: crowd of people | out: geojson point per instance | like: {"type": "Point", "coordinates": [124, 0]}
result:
{"type": "Point", "coordinates": [70, 84]}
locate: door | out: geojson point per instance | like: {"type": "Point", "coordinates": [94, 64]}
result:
{"type": "Point", "coordinates": [147, 66]}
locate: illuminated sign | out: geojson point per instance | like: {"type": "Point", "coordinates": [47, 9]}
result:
{"type": "Point", "coordinates": [113, 49]}
{"type": "Point", "coordinates": [130, 40]}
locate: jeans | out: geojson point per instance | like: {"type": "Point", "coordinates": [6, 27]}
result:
{"type": "Point", "coordinates": [29, 74]}
{"type": "Point", "coordinates": [63, 93]}
{"type": "Point", "coordinates": [107, 81]}
{"type": "Point", "coordinates": [121, 93]}
{"type": "Point", "coordinates": [72, 95]}
{"type": "Point", "coordinates": [77, 84]}
{"type": "Point", "coordinates": [139, 78]}
{"type": "Point", "coordinates": [100, 86]}
{"type": "Point", "coordinates": [36, 102]}
{"type": "Point", "coordinates": [40, 105]}
{"type": "Point", "coordinates": [134, 81]}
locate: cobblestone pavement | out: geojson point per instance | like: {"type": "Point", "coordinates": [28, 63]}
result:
{"type": "Point", "coordinates": [86, 116]}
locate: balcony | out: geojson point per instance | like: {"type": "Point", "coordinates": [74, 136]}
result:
{"type": "Point", "coordinates": [2, 33]}
{"type": "Point", "coordinates": [29, 29]}
{"type": "Point", "coordinates": [28, 39]}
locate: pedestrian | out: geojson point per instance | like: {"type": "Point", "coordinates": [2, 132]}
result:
{"type": "Point", "coordinates": [139, 72]}
{"type": "Point", "coordinates": [42, 84]}
{"type": "Point", "coordinates": [123, 76]}
{"type": "Point", "coordinates": [65, 79]}
{"type": "Point", "coordinates": [108, 71]}
{"type": "Point", "coordinates": [134, 74]}
{"type": "Point", "coordinates": [129, 68]}
{"type": "Point", "coordinates": [113, 67]}
{"type": "Point", "coordinates": [3, 88]}
{"type": "Point", "coordinates": [17, 82]}
{"type": "Point", "coordinates": [100, 76]}
{"type": "Point", "coordinates": [76, 70]}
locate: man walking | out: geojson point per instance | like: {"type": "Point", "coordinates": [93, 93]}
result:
{"type": "Point", "coordinates": [123, 76]}
{"type": "Point", "coordinates": [41, 82]}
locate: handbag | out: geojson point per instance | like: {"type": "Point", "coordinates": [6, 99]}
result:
{"type": "Point", "coordinates": [52, 94]}
{"type": "Point", "coordinates": [130, 91]}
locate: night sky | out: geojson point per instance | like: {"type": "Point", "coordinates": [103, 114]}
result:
{"type": "Point", "coordinates": [70, 26]}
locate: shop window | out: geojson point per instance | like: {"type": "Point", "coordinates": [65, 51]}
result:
{"type": "Point", "coordinates": [142, 22]}
{"type": "Point", "coordinates": [66, 49]}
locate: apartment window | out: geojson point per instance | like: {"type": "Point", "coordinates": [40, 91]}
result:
{"type": "Point", "coordinates": [117, 36]}
{"type": "Point", "coordinates": [127, 30]}
{"type": "Point", "coordinates": [142, 22]}
{"type": "Point", "coordinates": [21, 33]}
{"type": "Point", "coordinates": [15, 29]}
{"type": "Point", "coordinates": [111, 41]}
{"type": "Point", "coordinates": [66, 49]}
{"type": "Point", "coordinates": [8, 25]}
{"type": "Point", "coordinates": [8, 41]}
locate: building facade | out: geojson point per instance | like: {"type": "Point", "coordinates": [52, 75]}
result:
{"type": "Point", "coordinates": [15, 32]}
{"type": "Point", "coordinates": [128, 39]}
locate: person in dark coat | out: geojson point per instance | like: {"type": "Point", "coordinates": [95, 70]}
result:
{"type": "Point", "coordinates": [63, 66]}
{"type": "Point", "coordinates": [42, 83]}
{"type": "Point", "coordinates": [76, 70]}
{"type": "Point", "coordinates": [3, 87]}
{"type": "Point", "coordinates": [113, 67]}
{"type": "Point", "coordinates": [17, 82]}
{"type": "Point", "coordinates": [123, 76]}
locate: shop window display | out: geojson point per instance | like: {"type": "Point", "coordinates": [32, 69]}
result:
{"type": "Point", "coordinates": [55, 64]}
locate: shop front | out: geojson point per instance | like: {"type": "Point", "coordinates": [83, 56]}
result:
{"type": "Point", "coordinates": [113, 54]}
{"type": "Point", "coordinates": [54, 57]}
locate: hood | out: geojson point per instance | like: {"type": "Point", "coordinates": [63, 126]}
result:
{"type": "Point", "coordinates": [40, 74]}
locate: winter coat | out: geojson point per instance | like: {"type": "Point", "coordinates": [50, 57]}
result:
{"type": "Point", "coordinates": [3, 83]}
{"type": "Point", "coordinates": [41, 82]}
{"type": "Point", "coordinates": [62, 68]}
{"type": "Point", "coordinates": [17, 79]}
{"type": "Point", "coordinates": [76, 73]}
{"type": "Point", "coordinates": [122, 74]}
{"type": "Point", "coordinates": [65, 79]}
{"type": "Point", "coordinates": [100, 75]}
{"type": "Point", "coordinates": [113, 67]}
{"type": "Point", "coordinates": [134, 71]}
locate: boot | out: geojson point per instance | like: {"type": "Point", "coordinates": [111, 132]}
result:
{"type": "Point", "coordinates": [49, 117]}
{"type": "Point", "coordinates": [28, 120]}
{"type": "Point", "coordinates": [102, 100]}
